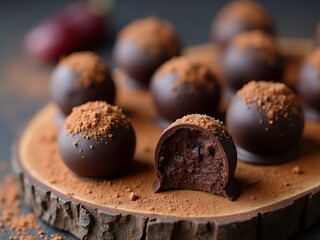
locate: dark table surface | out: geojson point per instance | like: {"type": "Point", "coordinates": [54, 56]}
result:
{"type": "Point", "coordinates": [24, 82]}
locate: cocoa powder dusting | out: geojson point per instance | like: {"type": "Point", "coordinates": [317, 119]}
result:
{"type": "Point", "coordinates": [247, 11]}
{"type": "Point", "coordinates": [215, 126]}
{"type": "Point", "coordinates": [95, 119]}
{"type": "Point", "coordinates": [88, 65]}
{"type": "Point", "coordinates": [274, 100]}
{"type": "Point", "coordinates": [155, 34]}
{"type": "Point", "coordinates": [263, 44]}
{"type": "Point", "coordinates": [20, 224]}
{"type": "Point", "coordinates": [314, 58]}
{"type": "Point", "coordinates": [189, 71]}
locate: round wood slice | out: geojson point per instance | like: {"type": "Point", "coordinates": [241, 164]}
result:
{"type": "Point", "coordinates": [276, 201]}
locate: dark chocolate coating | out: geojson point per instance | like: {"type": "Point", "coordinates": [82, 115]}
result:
{"type": "Point", "coordinates": [262, 138]}
{"type": "Point", "coordinates": [173, 104]}
{"type": "Point", "coordinates": [190, 157]}
{"type": "Point", "coordinates": [239, 66]}
{"type": "Point", "coordinates": [308, 86]}
{"type": "Point", "coordinates": [67, 92]}
{"type": "Point", "coordinates": [138, 62]}
{"type": "Point", "coordinates": [225, 27]}
{"type": "Point", "coordinates": [108, 157]}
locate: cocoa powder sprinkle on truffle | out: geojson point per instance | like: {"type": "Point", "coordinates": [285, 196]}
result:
{"type": "Point", "coordinates": [274, 100]}
{"type": "Point", "coordinates": [188, 70]}
{"type": "Point", "coordinates": [95, 119]}
{"type": "Point", "coordinates": [157, 35]}
{"type": "Point", "coordinates": [88, 65]}
{"type": "Point", "coordinates": [263, 44]}
{"type": "Point", "coordinates": [247, 11]}
{"type": "Point", "coordinates": [216, 127]}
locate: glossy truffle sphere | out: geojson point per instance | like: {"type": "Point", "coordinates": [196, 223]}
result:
{"type": "Point", "coordinates": [79, 78]}
{"type": "Point", "coordinates": [237, 17]}
{"type": "Point", "coordinates": [143, 45]}
{"type": "Point", "coordinates": [182, 86]}
{"type": "Point", "coordinates": [251, 56]}
{"type": "Point", "coordinates": [97, 141]}
{"type": "Point", "coordinates": [266, 122]}
{"type": "Point", "coordinates": [196, 152]}
{"type": "Point", "coordinates": [308, 84]}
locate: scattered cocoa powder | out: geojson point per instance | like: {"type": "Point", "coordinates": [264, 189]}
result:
{"type": "Point", "coordinates": [262, 43]}
{"type": "Point", "coordinates": [188, 71]}
{"type": "Point", "coordinates": [13, 220]}
{"type": "Point", "coordinates": [90, 67]}
{"type": "Point", "coordinates": [263, 182]}
{"type": "Point", "coordinates": [157, 35]}
{"type": "Point", "coordinates": [215, 126]}
{"type": "Point", "coordinates": [314, 58]}
{"type": "Point", "coordinates": [95, 119]}
{"type": "Point", "coordinates": [273, 100]}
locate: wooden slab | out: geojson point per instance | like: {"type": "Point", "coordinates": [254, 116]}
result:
{"type": "Point", "coordinates": [276, 201]}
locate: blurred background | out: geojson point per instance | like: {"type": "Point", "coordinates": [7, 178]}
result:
{"type": "Point", "coordinates": [24, 81]}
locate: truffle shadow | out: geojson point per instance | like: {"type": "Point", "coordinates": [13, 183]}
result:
{"type": "Point", "coordinates": [309, 146]}
{"type": "Point", "coordinates": [139, 167]}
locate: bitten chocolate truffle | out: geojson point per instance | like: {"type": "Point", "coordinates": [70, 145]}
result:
{"type": "Point", "coordinates": [237, 17]}
{"type": "Point", "coordinates": [196, 152]}
{"type": "Point", "coordinates": [97, 141]}
{"type": "Point", "coordinates": [79, 78]}
{"type": "Point", "coordinates": [143, 45]}
{"type": "Point", "coordinates": [251, 56]}
{"type": "Point", "coordinates": [308, 84]}
{"type": "Point", "coordinates": [182, 86]}
{"type": "Point", "coordinates": [266, 122]}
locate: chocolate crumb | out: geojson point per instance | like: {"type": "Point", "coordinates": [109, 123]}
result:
{"type": "Point", "coordinates": [133, 196]}
{"type": "Point", "coordinates": [296, 170]}
{"type": "Point", "coordinates": [253, 198]}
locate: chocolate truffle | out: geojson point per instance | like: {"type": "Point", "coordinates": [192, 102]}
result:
{"type": "Point", "coordinates": [308, 84]}
{"type": "Point", "coordinates": [79, 78]}
{"type": "Point", "coordinates": [266, 122]}
{"type": "Point", "coordinates": [143, 45]}
{"type": "Point", "coordinates": [237, 17]}
{"type": "Point", "coordinates": [196, 152]}
{"type": "Point", "coordinates": [251, 56]}
{"type": "Point", "coordinates": [182, 86]}
{"type": "Point", "coordinates": [97, 141]}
